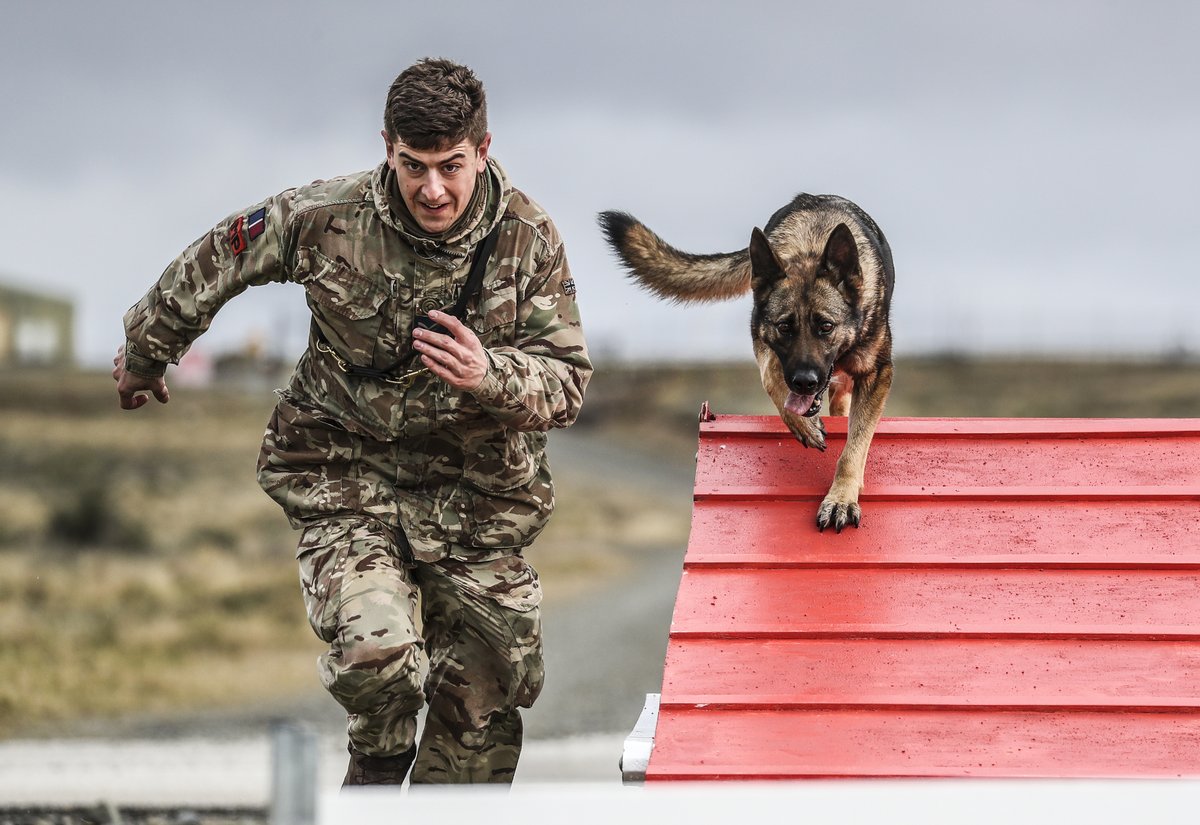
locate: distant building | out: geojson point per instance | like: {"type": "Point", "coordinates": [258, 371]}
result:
{"type": "Point", "coordinates": [35, 329]}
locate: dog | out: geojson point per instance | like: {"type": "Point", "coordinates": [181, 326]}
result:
{"type": "Point", "coordinates": [821, 274]}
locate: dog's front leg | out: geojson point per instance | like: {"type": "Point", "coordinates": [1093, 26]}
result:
{"type": "Point", "coordinates": [840, 506]}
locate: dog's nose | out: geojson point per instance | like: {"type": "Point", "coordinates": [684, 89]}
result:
{"type": "Point", "coordinates": [805, 381]}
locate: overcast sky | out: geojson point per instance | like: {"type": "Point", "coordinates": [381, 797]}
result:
{"type": "Point", "coordinates": [1033, 164]}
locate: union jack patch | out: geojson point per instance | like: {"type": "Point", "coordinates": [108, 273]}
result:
{"type": "Point", "coordinates": [568, 286]}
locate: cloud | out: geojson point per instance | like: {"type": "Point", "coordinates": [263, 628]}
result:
{"type": "Point", "coordinates": [1027, 160]}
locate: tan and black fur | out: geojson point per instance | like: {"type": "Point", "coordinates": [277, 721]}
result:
{"type": "Point", "coordinates": [821, 274]}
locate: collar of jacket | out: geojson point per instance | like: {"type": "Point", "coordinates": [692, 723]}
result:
{"type": "Point", "coordinates": [451, 249]}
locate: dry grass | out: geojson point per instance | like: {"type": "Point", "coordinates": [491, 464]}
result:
{"type": "Point", "coordinates": [103, 634]}
{"type": "Point", "coordinates": [141, 569]}
{"type": "Point", "coordinates": [1046, 389]}
{"type": "Point", "coordinates": [138, 569]}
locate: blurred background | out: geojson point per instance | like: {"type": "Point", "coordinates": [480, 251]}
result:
{"type": "Point", "coordinates": [1033, 165]}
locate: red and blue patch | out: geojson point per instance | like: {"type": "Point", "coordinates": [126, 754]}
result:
{"type": "Point", "coordinates": [256, 223]}
{"type": "Point", "coordinates": [245, 229]}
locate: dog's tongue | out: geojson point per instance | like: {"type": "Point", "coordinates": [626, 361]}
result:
{"type": "Point", "coordinates": [798, 404]}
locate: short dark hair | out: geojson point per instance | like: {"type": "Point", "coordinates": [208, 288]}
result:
{"type": "Point", "coordinates": [434, 103]}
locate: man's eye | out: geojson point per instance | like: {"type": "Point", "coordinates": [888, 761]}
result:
{"type": "Point", "coordinates": [412, 167]}
{"type": "Point", "coordinates": [451, 168]}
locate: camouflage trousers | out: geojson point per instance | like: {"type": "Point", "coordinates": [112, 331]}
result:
{"type": "Point", "coordinates": [362, 592]}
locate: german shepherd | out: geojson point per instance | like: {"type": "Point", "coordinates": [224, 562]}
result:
{"type": "Point", "coordinates": [822, 275]}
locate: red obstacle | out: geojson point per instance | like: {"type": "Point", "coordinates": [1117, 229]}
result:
{"type": "Point", "coordinates": [1021, 600]}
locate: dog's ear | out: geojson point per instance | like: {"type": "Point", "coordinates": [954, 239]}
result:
{"type": "Point", "coordinates": [764, 264]}
{"type": "Point", "coordinates": [839, 263]}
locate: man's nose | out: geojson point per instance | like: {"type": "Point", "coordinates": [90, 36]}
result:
{"type": "Point", "coordinates": [434, 187]}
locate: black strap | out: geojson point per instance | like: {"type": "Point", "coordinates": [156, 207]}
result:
{"type": "Point", "coordinates": [483, 251]}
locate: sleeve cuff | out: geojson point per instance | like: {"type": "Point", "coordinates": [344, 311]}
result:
{"type": "Point", "coordinates": [490, 388]}
{"type": "Point", "coordinates": [139, 364]}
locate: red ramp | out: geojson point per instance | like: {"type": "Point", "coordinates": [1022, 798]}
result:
{"type": "Point", "coordinates": [1022, 600]}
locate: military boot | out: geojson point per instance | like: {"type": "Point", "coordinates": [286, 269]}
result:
{"type": "Point", "coordinates": [378, 770]}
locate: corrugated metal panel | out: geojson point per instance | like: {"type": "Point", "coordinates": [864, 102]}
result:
{"type": "Point", "coordinates": [1022, 600]}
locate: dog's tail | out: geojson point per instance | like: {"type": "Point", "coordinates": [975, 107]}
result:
{"type": "Point", "coordinates": [670, 273]}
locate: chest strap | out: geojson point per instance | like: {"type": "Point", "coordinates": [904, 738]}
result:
{"type": "Point", "coordinates": [483, 252]}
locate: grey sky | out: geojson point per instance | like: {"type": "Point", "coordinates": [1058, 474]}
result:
{"type": "Point", "coordinates": [1029, 161]}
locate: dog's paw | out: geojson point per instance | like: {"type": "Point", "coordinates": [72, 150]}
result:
{"type": "Point", "coordinates": [808, 431]}
{"type": "Point", "coordinates": [837, 514]}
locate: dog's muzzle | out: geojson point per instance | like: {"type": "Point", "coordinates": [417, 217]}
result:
{"type": "Point", "coordinates": [808, 405]}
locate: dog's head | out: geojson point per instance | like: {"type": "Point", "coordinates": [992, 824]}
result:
{"type": "Point", "coordinates": [807, 309]}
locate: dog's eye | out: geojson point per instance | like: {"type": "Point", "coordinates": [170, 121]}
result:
{"type": "Point", "coordinates": [824, 328]}
{"type": "Point", "coordinates": [785, 325]}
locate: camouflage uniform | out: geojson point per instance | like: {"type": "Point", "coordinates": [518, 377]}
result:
{"type": "Point", "coordinates": [409, 486]}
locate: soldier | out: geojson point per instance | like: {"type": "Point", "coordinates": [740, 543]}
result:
{"type": "Point", "coordinates": [409, 445]}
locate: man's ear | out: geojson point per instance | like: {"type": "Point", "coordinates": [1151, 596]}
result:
{"type": "Point", "coordinates": [484, 146]}
{"type": "Point", "coordinates": [387, 148]}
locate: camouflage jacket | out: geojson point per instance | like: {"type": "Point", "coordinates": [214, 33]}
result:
{"type": "Point", "coordinates": [458, 472]}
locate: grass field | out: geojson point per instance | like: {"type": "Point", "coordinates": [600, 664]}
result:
{"type": "Point", "coordinates": [141, 569]}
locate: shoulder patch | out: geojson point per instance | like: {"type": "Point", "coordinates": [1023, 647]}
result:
{"type": "Point", "coordinates": [256, 223]}
{"type": "Point", "coordinates": [236, 238]}
{"type": "Point", "coordinates": [568, 286]}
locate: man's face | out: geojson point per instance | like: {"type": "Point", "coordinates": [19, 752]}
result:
{"type": "Point", "coordinates": [436, 184]}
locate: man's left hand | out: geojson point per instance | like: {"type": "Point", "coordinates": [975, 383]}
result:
{"type": "Point", "coordinates": [458, 359]}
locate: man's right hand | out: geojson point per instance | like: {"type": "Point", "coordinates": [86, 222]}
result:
{"type": "Point", "coordinates": [135, 390]}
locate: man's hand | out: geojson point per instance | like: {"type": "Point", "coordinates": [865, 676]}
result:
{"type": "Point", "coordinates": [458, 358]}
{"type": "Point", "coordinates": [135, 390]}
